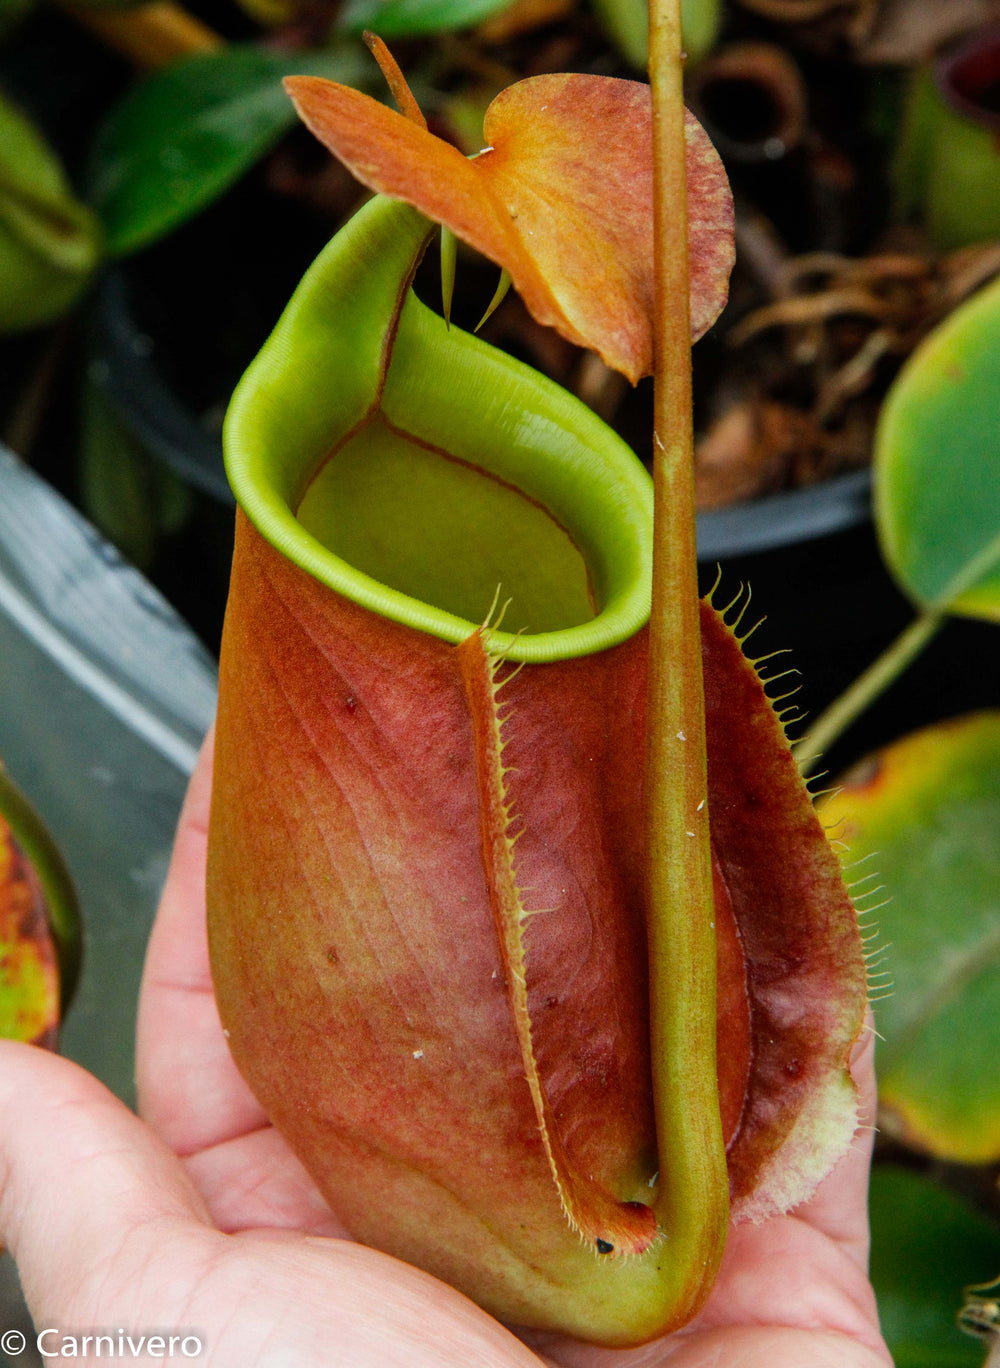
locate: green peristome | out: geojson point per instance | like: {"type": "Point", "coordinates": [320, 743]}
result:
{"type": "Point", "coordinates": [185, 134]}
{"type": "Point", "coordinates": [927, 1245]}
{"type": "Point", "coordinates": [946, 169]}
{"type": "Point", "coordinates": [937, 465]}
{"type": "Point", "coordinates": [50, 243]}
{"type": "Point", "coordinates": [566, 539]}
{"type": "Point", "coordinates": [922, 821]}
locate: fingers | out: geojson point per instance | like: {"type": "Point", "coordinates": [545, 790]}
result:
{"type": "Point", "coordinates": [755, 1347]}
{"type": "Point", "coordinates": [808, 1270]}
{"type": "Point", "coordinates": [189, 1089]}
{"type": "Point", "coordinates": [254, 1182]}
{"type": "Point", "coordinates": [80, 1178]}
{"type": "Point", "coordinates": [840, 1207]}
{"type": "Point", "coordinates": [190, 1092]}
{"type": "Point", "coordinates": [108, 1232]}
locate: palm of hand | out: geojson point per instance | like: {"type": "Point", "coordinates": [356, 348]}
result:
{"type": "Point", "coordinates": [793, 1291]}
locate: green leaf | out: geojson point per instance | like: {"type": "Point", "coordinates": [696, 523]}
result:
{"type": "Point", "coordinates": [11, 14]}
{"type": "Point", "coordinates": [927, 1245]}
{"type": "Point", "coordinates": [922, 817]}
{"type": "Point", "coordinates": [937, 465]}
{"type": "Point", "coordinates": [626, 23]}
{"type": "Point", "coordinates": [49, 241]}
{"type": "Point", "coordinates": [187, 133]}
{"type": "Point", "coordinates": [39, 923]}
{"type": "Point", "coordinates": [130, 496]}
{"type": "Point", "coordinates": [414, 18]}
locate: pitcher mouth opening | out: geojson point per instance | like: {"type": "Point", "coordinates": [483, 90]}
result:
{"type": "Point", "coordinates": [969, 78]}
{"type": "Point", "coordinates": [439, 475]}
{"type": "Point", "coordinates": [442, 530]}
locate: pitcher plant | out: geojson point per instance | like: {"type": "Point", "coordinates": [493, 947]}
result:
{"type": "Point", "coordinates": [543, 965]}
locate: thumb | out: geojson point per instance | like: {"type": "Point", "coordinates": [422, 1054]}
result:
{"type": "Point", "coordinates": [81, 1181]}
{"type": "Point", "coordinates": [107, 1231]}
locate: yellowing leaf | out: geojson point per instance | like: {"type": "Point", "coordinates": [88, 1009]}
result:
{"type": "Point", "coordinates": [39, 924]}
{"type": "Point", "coordinates": [29, 976]}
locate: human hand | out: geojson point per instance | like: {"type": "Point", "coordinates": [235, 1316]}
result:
{"type": "Point", "coordinates": [200, 1219]}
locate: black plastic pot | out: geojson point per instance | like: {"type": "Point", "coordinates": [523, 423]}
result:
{"type": "Point", "coordinates": [175, 326]}
{"type": "Point", "coordinates": [124, 365]}
{"type": "Point", "coordinates": [786, 519]}
{"type": "Point", "coordinates": [811, 557]}
{"type": "Point", "coordinates": [127, 366]}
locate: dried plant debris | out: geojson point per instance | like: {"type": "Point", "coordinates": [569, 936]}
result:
{"type": "Point", "coordinates": [907, 31]}
{"type": "Point", "coordinates": [817, 359]}
{"type": "Point", "coordinates": [897, 32]}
